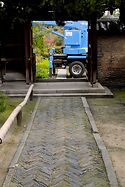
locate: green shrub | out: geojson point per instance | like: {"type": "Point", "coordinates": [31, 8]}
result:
{"type": "Point", "coordinates": [42, 69]}
{"type": "Point", "coordinates": [3, 102]}
{"type": "Point", "coordinates": [58, 50]}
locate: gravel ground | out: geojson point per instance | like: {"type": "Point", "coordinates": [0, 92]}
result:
{"type": "Point", "coordinates": [109, 115]}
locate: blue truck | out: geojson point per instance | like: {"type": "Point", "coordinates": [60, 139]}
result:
{"type": "Point", "coordinates": [75, 47]}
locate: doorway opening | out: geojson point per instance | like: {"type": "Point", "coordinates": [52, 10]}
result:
{"type": "Point", "coordinates": [61, 52]}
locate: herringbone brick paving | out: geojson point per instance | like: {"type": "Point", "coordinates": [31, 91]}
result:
{"type": "Point", "coordinates": [60, 150]}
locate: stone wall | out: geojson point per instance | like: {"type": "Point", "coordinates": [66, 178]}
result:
{"type": "Point", "coordinates": [111, 60]}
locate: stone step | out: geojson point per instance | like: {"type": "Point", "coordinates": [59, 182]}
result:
{"type": "Point", "coordinates": [57, 89]}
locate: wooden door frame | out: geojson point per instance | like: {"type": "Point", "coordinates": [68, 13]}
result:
{"type": "Point", "coordinates": [92, 51]}
{"type": "Point", "coordinates": [28, 52]}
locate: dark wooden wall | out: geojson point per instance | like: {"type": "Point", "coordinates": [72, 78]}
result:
{"type": "Point", "coordinates": [16, 51]}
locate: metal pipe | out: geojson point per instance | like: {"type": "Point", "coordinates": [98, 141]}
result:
{"type": "Point", "coordinates": [6, 126]}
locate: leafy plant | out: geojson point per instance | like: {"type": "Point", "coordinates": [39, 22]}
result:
{"type": "Point", "coordinates": [22, 10]}
{"type": "Point", "coordinates": [38, 44]}
{"type": "Point", "coordinates": [42, 69]}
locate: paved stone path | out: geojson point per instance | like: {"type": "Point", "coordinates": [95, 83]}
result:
{"type": "Point", "coordinates": [61, 74]}
{"type": "Point", "coordinates": [60, 150]}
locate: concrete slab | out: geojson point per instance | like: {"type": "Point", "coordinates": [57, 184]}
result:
{"type": "Point", "coordinates": [14, 76]}
{"type": "Point", "coordinates": [61, 74]}
{"type": "Point", "coordinates": [72, 87]}
{"type": "Point", "coordinates": [59, 88]}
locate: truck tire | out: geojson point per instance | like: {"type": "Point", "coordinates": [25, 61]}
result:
{"type": "Point", "coordinates": [76, 69]}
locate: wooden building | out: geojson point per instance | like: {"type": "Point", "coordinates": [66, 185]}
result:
{"type": "Point", "coordinates": [105, 63]}
{"type": "Point", "coordinates": [17, 59]}
{"type": "Point", "coordinates": [16, 53]}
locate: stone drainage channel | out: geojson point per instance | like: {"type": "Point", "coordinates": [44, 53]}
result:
{"type": "Point", "coordinates": [61, 148]}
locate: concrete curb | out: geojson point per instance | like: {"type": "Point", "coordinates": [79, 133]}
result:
{"type": "Point", "coordinates": [88, 95]}
{"type": "Point", "coordinates": [90, 116]}
{"type": "Point", "coordinates": [15, 159]}
{"type": "Point", "coordinates": [108, 164]}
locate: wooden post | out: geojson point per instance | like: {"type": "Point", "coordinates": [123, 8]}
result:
{"type": "Point", "coordinates": [19, 118]}
{"type": "Point", "coordinates": [27, 57]}
{"type": "Point", "coordinates": [31, 96]}
{"type": "Point", "coordinates": [2, 62]}
{"type": "Point", "coordinates": [50, 72]}
{"type": "Point", "coordinates": [31, 52]}
{"type": "Point", "coordinates": [90, 60]}
{"type": "Point", "coordinates": [34, 67]}
{"type": "Point", "coordinates": [94, 48]}
{"type": "Point", "coordinates": [1, 71]}
{"type": "Point", "coordinates": [92, 52]}
{"type": "Point", "coordinates": [17, 113]}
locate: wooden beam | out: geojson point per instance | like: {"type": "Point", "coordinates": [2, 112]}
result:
{"type": "Point", "coordinates": [94, 48]}
{"type": "Point", "coordinates": [92, 51]}
{"type": "Point", "coordinates": [31, 52]}
{"type": "Point", "coordinates": [17, 112]}
{"type": "Point", "coordinates": [27, 57]}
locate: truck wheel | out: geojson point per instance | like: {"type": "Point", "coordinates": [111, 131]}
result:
{"type": "Point", "coordinates": [76, 69]}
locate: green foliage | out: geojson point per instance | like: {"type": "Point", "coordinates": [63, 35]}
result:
{"type": "Point", "coordinates": [59, 41]}
{"type": "Point", "coordinates": [119, 93]}
{"type": "Point", "coordinates": [3, 102]}
{"type": "Point", "coordinates": [22, 10]}
{"type": "Point", "coordinates": [38, 44]}
{"type": "Point", "coordinates": [115, 3]}
{"type": "Point", "coordinates": [44, 40]}
{"type": "Point", "coordinates": [42, 69]}
{"type": "Point", "coordinates": [58, 50]}
{"type": "Point", "coordinates": [11, 103]}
